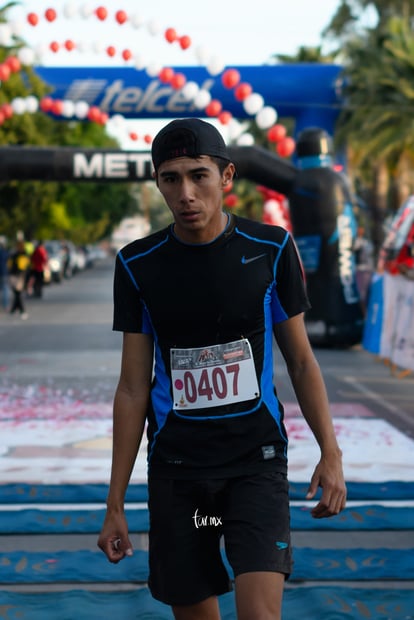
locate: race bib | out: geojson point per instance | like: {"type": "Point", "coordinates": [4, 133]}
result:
{"type": "Point", "coordinates": [213, 376]}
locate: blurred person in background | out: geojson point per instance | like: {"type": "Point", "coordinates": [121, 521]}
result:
{"type": "Point", "coordinates": [18, 265]}
{"type": "Point", "coordinates": [38, 263]}
{"type": "Point", "coordinates": [4, 280]}
{"type": "Point", "coordinates": [364, 258]}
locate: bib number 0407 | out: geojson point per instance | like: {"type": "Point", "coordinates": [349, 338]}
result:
{"type": "Point", "coordinates": [212, 383]}
{"type": "Point", "coordinates": [213, 376]}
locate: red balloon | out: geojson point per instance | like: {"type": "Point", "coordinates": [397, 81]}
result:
{"type": "Point", "coordinates": [4, 72]}
{"type": "Point", "coordinates": [225, 117]}
{"type": "Point", "coordinates": [242, 91]}
{"type": "Point", "coordinates": [231, 200]}
{"type": "Point", "coordinates": [127, 54]}
{"type": "Point", "coordinates": [230, 78]}
{"type": "Point", "coordinates": [50, 15]}
{"type": "Point", "coordinates": [110, 50]}
{"type": "Point", "coordinates": [178, 80]}
{"type": "Point", "coordinates": [170, 35]}
{"type": "Point", "coordinates": [7, 110]}
{"type": "Point", "coordinates": [276, 133]}
{"type": "Point", "coordinates": [54, 46]}
{"type": "Point", "coordinates": [46, 104]}
{"type": "Point", "coordinates": [33, 19]}
{"type": "Point", "coordinates": [121, 17]}
{"type": "Point", "coordinates": [94, 114]}
{"type": "Point", "coordinates": [13, 63]}
{"type": "Point", "coordinates": [147, 139]}
{"type": "Point", "coordinates": [286, 147]}
{"type": "Point", "coordinates": [103, 119]}
{"type": "Point", "coordinates": [227, 188]}
{"type": "Point", "coordinates": [166, 75]}
{"type": "Point", "coordinates": [185, 42]}
{"type": "Point", "coordinates": [214, 108]}
{"type": "Point", "coordinates": [101, 13]}
{"type": "Point", "coordinates": [57, 107]}
{"type": "Point", "coordinates": [133, 135]}
{"type": "Point", "coordinates": [69, 44]}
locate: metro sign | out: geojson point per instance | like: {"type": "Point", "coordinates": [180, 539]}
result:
{"type": "Point", "coordinates": [117, 165]}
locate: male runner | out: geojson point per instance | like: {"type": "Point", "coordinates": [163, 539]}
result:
{"type": "Point", "coordinates": [199, 304]}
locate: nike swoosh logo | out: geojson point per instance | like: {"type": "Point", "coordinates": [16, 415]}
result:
{"type": "Point", "coordinates": [245, 260]}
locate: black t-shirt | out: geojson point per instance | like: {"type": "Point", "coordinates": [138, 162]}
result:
{"type": "Point", "coordinates": [211, 309]}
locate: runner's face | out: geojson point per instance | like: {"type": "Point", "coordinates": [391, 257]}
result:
{"type": "Point", "coordinates": [193, 191]}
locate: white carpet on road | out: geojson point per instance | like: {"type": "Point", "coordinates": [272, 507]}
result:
{"type": "Point", "coordinates": [59, 439]}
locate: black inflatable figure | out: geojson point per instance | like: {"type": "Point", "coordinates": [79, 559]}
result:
{"type": "Point", "coordinates": [324, 227]}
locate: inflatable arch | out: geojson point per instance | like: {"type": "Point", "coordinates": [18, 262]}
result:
{"type": "Point", "coordinates": [308, 92]}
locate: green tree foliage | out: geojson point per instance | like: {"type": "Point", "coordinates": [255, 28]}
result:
{"type": "Point", "coordinates": [346, 21]}
{"type": "Point", "coordinates": [376, 48]}
{"type": "Point", "coordinates": [376, 123]}
{"type": "Point", "coordinates": [51, 209]}
{"type": "Point", "coordinates": [306, 54]}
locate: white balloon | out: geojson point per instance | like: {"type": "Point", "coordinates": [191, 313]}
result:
{"type": "Point", "coordinates": [26, 56]}
{"type": "Point", "coordinates": [154, 68]}
{"type": "Point", "coordinates": [190, 90]}
{"type": "Point", "coordinates": [117, 120]}
{"type": "Point", "coordinates": [87, 10]}
{"type": "Point", "coordinates": [98, 47]}
{"type": "Point", "coordinates": [234, 128]}
{"type": "Point", "coordinates": [5, 35]}
{"type": "Point", "coordinates": [70, 9]}
{"type": "Point", "coordinates": [266, 117]}
{"type": "Point", "coordinates": [246, 139]}
{"type": "Point", "coordinates": [17, 26]}
{"type": "Point", "coordinates": [215, 65]}
{"type": "Point", "coordinates": [41, 49]}
{"type": "Point", "coordinates": [136, 20]}
{"type": "Point", "coordinates": [202, 54]}
{"type": "Point", "coordinates": [202, 99]}
{"type": "Point", "coordinates": [253, 103]}
{"type": "Point", "coordinates": [271, 207]}
{"type": "Point", "coordinates": [68, 109]}
{"type": "Point", "coordinates": [139, 62]}
{"type": "Point", "coordinates": [81, 109]}
{"type": "Point", "coordinates": [19, 105]}
{"type": "Point", "coordinates": [83, 46]}
{"type": "Point", "coordinates": [31, 104]}
{"type": "Point", "coordinates": [153, 27]}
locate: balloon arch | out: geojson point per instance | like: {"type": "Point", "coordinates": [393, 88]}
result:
{"type": "Point", "coordinates": [144, 88]}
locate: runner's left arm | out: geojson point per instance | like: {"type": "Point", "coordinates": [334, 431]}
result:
{"type": "Point", "coordinates": [310, 390]}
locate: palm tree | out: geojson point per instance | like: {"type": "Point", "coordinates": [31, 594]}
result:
{"type": "Point", "coordinates": [306, 54]}
{"type": "Point", "coordinates": [376, 123]}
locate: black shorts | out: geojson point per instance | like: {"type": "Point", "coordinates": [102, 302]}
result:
{"type": "Point", "coordinates": [188, 519]}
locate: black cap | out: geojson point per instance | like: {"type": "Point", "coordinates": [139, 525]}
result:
{"type": "Point", "coordinates": [187, 137]}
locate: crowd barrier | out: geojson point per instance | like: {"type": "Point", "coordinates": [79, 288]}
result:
{"type": "Point", "coordinates": [389, 324]}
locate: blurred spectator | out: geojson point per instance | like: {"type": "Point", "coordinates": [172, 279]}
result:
{"type": "Point", "coordinates": [364, 259]}
{"type": "Point", "coordinates": [67, 267]}
{"type": "Point", "coordinates": [18, 265]}
{"type": "Point", "coordinates": [4, 280]}
{"type": "Point", "coordinates": [38, 263]}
